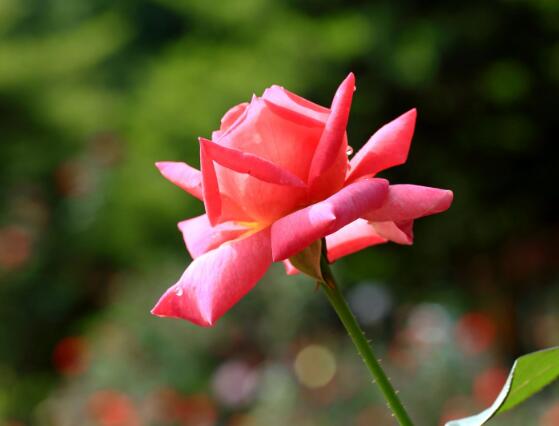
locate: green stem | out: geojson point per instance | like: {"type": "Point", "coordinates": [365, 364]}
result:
{"type": "Point", "coordinates": [350, 323]}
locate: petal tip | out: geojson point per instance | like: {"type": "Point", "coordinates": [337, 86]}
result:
{"type": "Point", "coordinates": [208, 322]}
{"type": "Point", "coordinates": [167, 306]}
{"type": "Point", "coordinates": [162, 165]}
{"type": "Point", "coordinates": [350, 78]}
{"type": "Point", "coordinates": [159, 310]}
{"type": "Point", "coordinates": [289, 268]}
{"type": "Point", "coordinates": [155, 311]}
{"type": "Point", "coordinates": [410, 117]}
{"type": "Point", "coordinates": [446, 202]}
{"type": "Point", "coordinates": [349, 84]}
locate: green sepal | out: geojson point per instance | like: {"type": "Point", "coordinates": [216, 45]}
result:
{"type": "Point", "coordinates": [308, 260]}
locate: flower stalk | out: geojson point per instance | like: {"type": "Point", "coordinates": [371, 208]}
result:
{"type": "Point", "coordinates": [359, 340]}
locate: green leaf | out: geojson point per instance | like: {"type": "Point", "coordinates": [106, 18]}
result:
{"type": "Point", "coordinates": [529, 374]}
{"type": "Point", "coordinates": [308, 260]}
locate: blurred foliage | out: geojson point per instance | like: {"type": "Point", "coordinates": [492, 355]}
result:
{"type": "Point", "coordinates": [92, 93]}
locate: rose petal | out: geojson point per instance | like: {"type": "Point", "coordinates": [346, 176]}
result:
{"type": "Point", "coordinates": [286, 144]}
{"type": "Point", "coordinates": [294, 116]}
{"type": "Point", "coordinates": [295, 108]}
{"type": "Point", "coordinates": [200, 236]}
{"type": "Point", "coordinates": [253, 165]}
{"type": "Point", "coordinates": [230, 120]}
{"type": "Point", "coordinates": [182, 175]}
{"type": "Point", "coordinates": [217, 280]}
{"type": "Point", "coordinates": [289, 268]}
{"type": "Point", "coordinates": [352, 238]}
{"type": "Point", "coordinates": [232, 115]}
{"type": "Point", "coordinates": [231, 211]}
{"type": "Point", "coordinates": [294, 232]}
{"type": "Point", "coordinates": [212, 199]}
{"type": "Point", "coordinates": [406, 202]}
{"type": "Point", "coordinates": [397, 232]}
{"type": "Point", "coordinates": [388, 147]}
{"type": "Point", "coordinates": [334, 131]}
{"type": "Point", "coordinates": [190, 180]}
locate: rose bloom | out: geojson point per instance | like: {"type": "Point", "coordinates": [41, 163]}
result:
{"type": "Point", "coordinates": [274, 179]}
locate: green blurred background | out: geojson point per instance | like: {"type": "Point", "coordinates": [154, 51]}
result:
{"type": "Point", "coordinates": [92, 93]}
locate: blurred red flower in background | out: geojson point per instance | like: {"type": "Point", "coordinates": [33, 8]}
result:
{"type": "Point", "coordinates": [112, 408]}
{"type": "Point", "coordinates": [71, 356]}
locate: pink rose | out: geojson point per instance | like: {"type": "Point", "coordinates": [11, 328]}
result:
{"type": "Point", "coordinates": [275, 178]}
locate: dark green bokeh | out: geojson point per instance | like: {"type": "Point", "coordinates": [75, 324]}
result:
{"type": "Point", "coordinates": [92, 93]}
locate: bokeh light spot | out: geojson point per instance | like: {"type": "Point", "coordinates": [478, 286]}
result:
{"type": "Point", "coordinates": [234, 383]}
{"type": "Point", "coordinates": [429, 324]}
{"type": "Point", "coordinates": [370, 302]}
{"type": "Point", "coordinates": [315, 366]}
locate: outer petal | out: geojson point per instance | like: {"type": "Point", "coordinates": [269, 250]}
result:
{"type": "Point", "coordinates": [352, 238]}
{"type": "Point", "coordinates": [200, 236]}
{"type": "Point", "coordinates": [294, 232]}
{"type": "Point", "coordinates": [388, 147]}
{"type": "Point", "coordinates": [406, 202]}
{"type": "Point", "coordinates": [190, 179]}
{"type": "Point", "coordinates": [397, 232]}
{"type": "Point", "coordinates": [217, 280]}
{"type": "Point", "coordinates": [182, 175]}
{"type": "Point", "coordinates": [253, 165]}
{"type": "Point", "coordinates": [333, 135]}
{"type": "Point", "coordinates": [212, 198]}
{"type": "Point", "coordinates": [289, 268]}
